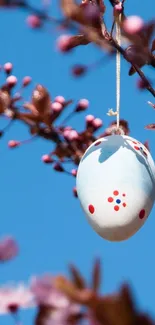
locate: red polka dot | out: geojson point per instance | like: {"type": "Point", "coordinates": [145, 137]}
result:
{"type": "Point", "coordinates": [137, 148]}
{"type": "Point", "coordinates": [91, 208]}
{"type": "Point", "coordinates": [145, 153]}
{"type": "Point", "coordinates": [142, 214]}
{"type": "Point", "coordinates": [116, 207]}
{"type": "Point", "coordinates": [110, 199]}
{"type": "Point", "coordinates": [134, 142]}
{"type": "Point", "coordinates": [124, 205]}
{"type": "Point", "coordinates": [97, 143]}
{"type": "Point", "coordinates": [115, 192]}
{"type": "Point", "coordinates": [123, 194]}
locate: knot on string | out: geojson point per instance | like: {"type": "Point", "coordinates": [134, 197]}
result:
{"type": "Point", "coordinates": [111, 112]}
{"type": "Point", "coordinates": [117, 130]}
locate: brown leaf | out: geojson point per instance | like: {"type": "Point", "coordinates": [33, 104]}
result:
{"type": "Point", "coordinates": [96, 276]}
{"type": "Point", "coordinates": [102, 6]}
{"type": "Point", "coordinates": [114, 2]}
{"type": "Point", "coordinates": [43, 315]}
{"type": "Point", "coordinates": [83, 296]}
{"type": "Point", "coordinates": [116, 308]}
{"type": "Point", "coordinates": [146, 144]}
{"type": "Point", "coordinates": [31, 108]}
{"type": "Point", "coordinates": [68, 102]}
{"type": "Point", "coordinates": [41, 99]}
{"type": "Point", "coordinates": [5, 101]}
{"type": "Point", "coordinates": [28, 118]}
{"type": "Point", "coordinates": [75, 318]}
{"type": "Point", "coordinates": [77, 277]}
{"type": "Point", "coordinates": [132, 71]}
{"type": "Point", "coordinates": [150, 126]}
{"type": "Point", "coordinates": [144, 319]}
{"type": "Point", "coordinates": [78, 40]}
{"type": "Point", "coordinates": [74, 12]}
{"type": "Point", "coordinates": [153, 46]}
{"type": "Point", "coordinates": [148, 32]}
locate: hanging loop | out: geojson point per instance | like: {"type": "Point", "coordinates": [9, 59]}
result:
{"type": "Point", "coordinates": [118, 71]}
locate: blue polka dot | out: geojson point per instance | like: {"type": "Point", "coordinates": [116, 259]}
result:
{"type": "Point", "coordinates": [118, 201]}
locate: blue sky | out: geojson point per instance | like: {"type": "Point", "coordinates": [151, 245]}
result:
{"type": "Point", "coordinates": [36, 203]}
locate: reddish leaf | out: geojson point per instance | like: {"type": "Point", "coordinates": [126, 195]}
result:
{"type": "Point", "coordinates": [43, 315]}
{"type": "Point", "coordinates": [76, 318]}
{"type": "Point", "coordinates": [150, 126]}
{"type": "Point", "coordinates": [77, 277]}
{"type": "Point", "coordinates": [144, 319]}
{"type": "Point", "coordinates": [146, 144]}
{"type": "Point", "coordinates": [68, 102]}
{"type": "Point", "coordinates": [96, 277]}
{"type": "Point", "coordinates": [116, 309]}
{"type": "Point", "coordinates": [153, 46]}
{"type": "Point", "coordinates": [148, 32]}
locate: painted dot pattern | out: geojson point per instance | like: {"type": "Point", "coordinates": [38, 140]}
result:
{"type": "Point", "coordinates": [116, 208]}
{"type": "Point", "coordinates": [117, 201]}
{"type": "Point", "coordinates": [91, 208]}
{"type": "Point", "coordinates": [138, 147]}
{"type": "Point", "coordinates": [110, 199]}
{"type": "Point", "coordinates": [115, 192]}
{"type": "Point", "coordinates": [142, 214]}
{"type": "Point", "coordinates": [97, 143]}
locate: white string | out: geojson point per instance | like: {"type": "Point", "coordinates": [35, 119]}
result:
{"type": "Point", "coordinates": [118, 71]}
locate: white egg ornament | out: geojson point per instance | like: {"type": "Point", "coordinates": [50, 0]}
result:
{"type": "Point", "coordinates": [116, 186]}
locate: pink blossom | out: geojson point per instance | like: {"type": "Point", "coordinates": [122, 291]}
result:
{"type": "Point", "coordinates": [13, 298]}
{"type": "Point", "coordinates": [79, 70]}
{"type": "Point", "coordinates": [141, 84]}
{"type": "Point", "coordinates": [133, 24]}
{"type": "Point", "coordinates": [92, 13]}
{"type": "Point", "coordinates": [57, 107]}
{"type": "Point", "coordinates": [66, 133]}
{"type": "Point", "coordinates": [75, 192]}
{"type": "Point", "coordinates": [34, 21]}
{"type": "Point", "coordinates": [26, 81]}
{"type": "Point", "coordinates": [68, 128]}
{"type": "Point", "coordinates": [71, 135]}
{"type": "Point", "coordinates": [60, 99]}
{"type": "Point", "coordinates": [13, 143]}
{"type": "Point", "coordinates": [82, 105]}
{"type": "Point", "coordinates": [74, 172]}
{"type": "Point", "coordinates": [11, 81]}
{"type": "Point", "coordinates": [58, 167]}
{"type": "Point", "coordinates": [89, 118]}
{"type": "Point", "coordinates": [61, 316]}
{"type": "Point", "coordinates": [63, 43]}
{"type": "Point", "coordinates": [8, 248]}
{"type": "Point", "coordinates": [8, 67]}
{"type": "Point", "coordinates": [97, 123]}
{"type": "Point", "coordinates": [118, 8]}
{"type": "Point", "coordinates": [46, 294]}
{"type": "Point", "coordinates": [47, 159]}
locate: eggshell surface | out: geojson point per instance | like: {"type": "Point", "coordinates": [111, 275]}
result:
{"type": "Point", "coordinates": [116, 186]}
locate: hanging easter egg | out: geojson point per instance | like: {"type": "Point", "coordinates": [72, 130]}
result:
{"type": "Point", "coordinates": [116, 186]}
